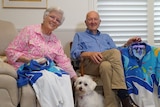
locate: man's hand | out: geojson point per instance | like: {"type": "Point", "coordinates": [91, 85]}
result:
{"type": "Point", "coordinates": [132, 40]}
{"type": "Point", "coordinates": [96, 57]}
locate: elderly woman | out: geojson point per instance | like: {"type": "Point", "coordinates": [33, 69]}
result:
{"type": "Point", "coordinates": [38, 41]}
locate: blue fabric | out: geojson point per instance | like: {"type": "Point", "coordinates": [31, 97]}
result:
{"type": "Point", "coordinates": [27, 72]}
{"type": "Point", "coordinates": [145, 71]}
{"type": "Point", "coordinates": [86, 41]}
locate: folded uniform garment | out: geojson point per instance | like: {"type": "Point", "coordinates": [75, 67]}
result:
{"type": "Point", "coordinates": [27, 75]}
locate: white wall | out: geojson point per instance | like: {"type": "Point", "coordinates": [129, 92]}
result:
{"type": "Point", "coordinates": [75, 11]}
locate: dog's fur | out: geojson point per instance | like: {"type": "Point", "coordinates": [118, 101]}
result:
{"type": "Point", "coordinates": [85, 94]}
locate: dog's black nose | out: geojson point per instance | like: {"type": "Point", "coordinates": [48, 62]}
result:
{"type": "Point", "coordinates": [80, 88]}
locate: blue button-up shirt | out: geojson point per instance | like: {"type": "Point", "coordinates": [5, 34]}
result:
{"type": "Point", "coordinates": [88, 42]}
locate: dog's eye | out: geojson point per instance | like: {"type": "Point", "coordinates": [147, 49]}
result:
{"type": "Point", "coordinates": [80, 82]}
{"type": "Point", "coordinates": [85, 84]}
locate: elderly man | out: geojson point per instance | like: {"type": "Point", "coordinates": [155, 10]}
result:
{"type": "Point", "coordinates": [102, 58]}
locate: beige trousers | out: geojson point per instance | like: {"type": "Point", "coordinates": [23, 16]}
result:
{"type": "Point", "coordinates": [111, 72]}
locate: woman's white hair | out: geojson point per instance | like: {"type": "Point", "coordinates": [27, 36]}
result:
{"type": "Point", "coordinates": [54, 9]}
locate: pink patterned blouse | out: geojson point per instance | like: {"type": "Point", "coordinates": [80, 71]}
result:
{"type": "Point", "coordinates": [33, 44]}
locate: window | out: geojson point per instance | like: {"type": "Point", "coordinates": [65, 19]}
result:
{"type": "Point", "coordinates": [157, 23]}
{"type": "Point", "coordinates": [123, 19]}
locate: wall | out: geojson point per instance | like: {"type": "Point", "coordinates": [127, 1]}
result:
{"type": "Point", "coordinates": [75, 11]}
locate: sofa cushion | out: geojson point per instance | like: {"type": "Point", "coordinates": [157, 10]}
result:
{"type": "Point", "coordinates": [7, 33]}
{"type": "Point", "coordinates": [7, 69]}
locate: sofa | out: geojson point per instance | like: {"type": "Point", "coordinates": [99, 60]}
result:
{"type": "Point", "coordinates": [10, 94]}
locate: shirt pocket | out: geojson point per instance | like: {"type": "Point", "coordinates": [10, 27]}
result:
{"type": "Point", "coordinates": [35, 48]}
{"type": "Point", "coordinates": [88, 45]}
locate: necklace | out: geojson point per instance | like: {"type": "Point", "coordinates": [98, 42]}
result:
{"type": "Point", "coordinates": [47, 37]}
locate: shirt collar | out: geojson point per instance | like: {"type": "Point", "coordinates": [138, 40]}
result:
{"type": "Point", "coordinates": [147, 47]}
{"type": "Point", "coordinates": [39, 32]}
{"type": "Point", "coordinates": [89, 32]}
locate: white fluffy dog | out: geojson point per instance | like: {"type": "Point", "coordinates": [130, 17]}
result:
{"type": "Point", "coordinates": [85, 94]}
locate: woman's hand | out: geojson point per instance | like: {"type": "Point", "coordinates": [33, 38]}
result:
{"type": "Point", "coordinates": [23, 59]}
{"type": "Point", "coordinates": [74, 78]}
{"type": "Point", "coordinates": [41, 60]}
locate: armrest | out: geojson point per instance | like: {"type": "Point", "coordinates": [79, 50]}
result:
{"type": "Point", "coordinates": [81, 67]}
{"type": "Point", "coordinates": [7, 69]}
{"type": "Point", "coordinates": [3, 58]}
{"type": "Point", "coordinates": [78, 65]}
